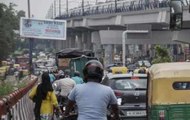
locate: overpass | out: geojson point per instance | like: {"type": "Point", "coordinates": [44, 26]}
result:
{"type": "Point", "coordinates": [94, 28]}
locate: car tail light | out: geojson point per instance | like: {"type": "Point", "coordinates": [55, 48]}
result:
{"type": "Point", "coordinates": [134, 78]}
{"type": "Point", "coordinates": [161, 115]}
{"type": "Point", "coordinates": [118, 93]}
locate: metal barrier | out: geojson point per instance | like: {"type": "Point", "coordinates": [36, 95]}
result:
{"type": "Point", "coordinates": [17, 106]}
{"type": "Point", "coordinates": [109, 9]}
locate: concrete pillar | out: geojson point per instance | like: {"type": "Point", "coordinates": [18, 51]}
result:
{"type": "Point", "coordinates": [58, 44]}
{"type": "Point", "coordinates": [72, 41]}
{"type": "Point", "coordinates": [96, 44]}
{"type": "Point", "coordinates": [83, 37]}
{"type": "Point", "coordinates": [64, 44]}
{"type": "Point", "coordinates": [88, 41]}
{"type": "Point", "coordinates": [108, 54]}
{"type": "Point", "coordinates": [67, 42]}
{"type": "Point", "coordinates": [78, 41]}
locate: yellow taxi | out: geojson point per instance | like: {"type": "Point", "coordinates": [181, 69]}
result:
{"type": "Point", "coordinates": [16, 65]}
{"type": "Point", "coordinates": [3, 71]}
{"type": "Point", "coordinates": [119, 70]}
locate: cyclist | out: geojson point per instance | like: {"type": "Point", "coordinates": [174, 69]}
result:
{"type": "Point", "coordinates": [92, 98]}
{"type": "Point", "coordinates": [77, 78]}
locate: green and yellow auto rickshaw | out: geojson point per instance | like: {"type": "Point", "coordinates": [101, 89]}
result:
{"type": "Point", "coordinates": [169, 91]}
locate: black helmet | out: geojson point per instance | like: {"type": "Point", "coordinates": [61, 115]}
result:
{"type": "Point", "coordinates": [77, 73]}
{"type": "Point", "coordinates": [94, 70]}
{"type": "Point", "coordinates": [61, 76]}
{"type": "Point", "coordinates": [142, 71]}
{"type": "Point", "coordinates": [67, 73]}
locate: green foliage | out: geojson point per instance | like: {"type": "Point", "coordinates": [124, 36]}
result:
{"type": "Point", "coordinates": [7, 88]}
{"type": "Point", "coordinates": [9, 23]}
{"type": "Point", "coordinates": [161, 55]}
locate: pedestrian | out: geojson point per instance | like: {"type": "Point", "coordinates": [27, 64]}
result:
{"type": "Point", "coordinates": [44, 98]}
{"type": "Point", "coordinates": [77, 78]}
{"type": "Point", "coordinates": [92, 98]}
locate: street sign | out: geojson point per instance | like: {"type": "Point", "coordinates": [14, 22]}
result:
{"type": "Point", "coordinates": [43, 28]}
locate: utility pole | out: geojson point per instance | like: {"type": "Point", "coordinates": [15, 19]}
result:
{"type": "Point", "coordinates": [52, 11]}
{"type": "Point", "coordinates": [28, 8]}
{"type": "Point", "coordinates": [82, 7]}
{"type": "Point", "coordinates": [59, 7]}
{"type": "Point", "coordinates": [67, 7]}
{"type": "Point", "coordinates": [30, 44]}
{"type": "Point", "coordinates": [54, 8]}
{"type": "Point", "coordinates": [115, 5]}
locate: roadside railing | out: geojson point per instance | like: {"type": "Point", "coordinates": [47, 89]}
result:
{"type": "Point", "coordinates": [110, 8]}
{"type": "Point", "coordinates": [17, 106]}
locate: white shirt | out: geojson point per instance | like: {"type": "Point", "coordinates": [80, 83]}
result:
{"type": "Point", "coordinates": [66, 85]}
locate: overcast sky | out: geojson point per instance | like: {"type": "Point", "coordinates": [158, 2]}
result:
{"type": "Point", "coordinates": [39, 8]}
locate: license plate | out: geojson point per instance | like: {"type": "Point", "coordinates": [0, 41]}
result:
{"type": "Point", "coordinates": [136, 113]}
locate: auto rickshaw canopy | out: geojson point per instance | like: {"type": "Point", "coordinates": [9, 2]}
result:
{"type": "Point", "coordinates": [162, 83]}
{"type": "Point", "coordinates": [170, 70]}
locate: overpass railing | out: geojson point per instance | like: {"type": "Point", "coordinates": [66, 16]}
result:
{"type": "Point", "coordinates": [17, 106]}
{"type": "Point", "coordinates": [111, 8]}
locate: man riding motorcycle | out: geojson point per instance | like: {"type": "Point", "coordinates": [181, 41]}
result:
{"type": "Point", "coordinates": [92, 98]}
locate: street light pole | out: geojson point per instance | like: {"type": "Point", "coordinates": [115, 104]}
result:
{"type": "Point", "coordinates": [28, 8]}
{"type": "Point", "coordinates": [59, 8]}
{"type": "Point", "coordinates": [82, 7]}
{"type": "Point", "coordinates": [67, 7]}
{"type": "Point", "coordinates": [115, 5]}
{"type": "Point", "coordinates": [124, 37]}
{"type": "Point", "coordinates": [96, 2]}
{"type": "Point", "coordinates": [30, 43]}
{"type": "Point", "coordinates": [54, 8]}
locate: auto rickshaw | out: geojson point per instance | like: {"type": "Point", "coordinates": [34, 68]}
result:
{"type": "Point", "coordinates": [169, 91]}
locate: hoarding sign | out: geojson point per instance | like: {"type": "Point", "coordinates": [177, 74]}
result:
{"type": "Point", "coordinates": [43, 28]}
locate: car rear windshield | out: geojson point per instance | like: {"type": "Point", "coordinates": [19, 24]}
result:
{"type": "Point", "coordinates": [129, 84]}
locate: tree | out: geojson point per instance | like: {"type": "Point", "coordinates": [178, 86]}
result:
{"type": "Point", "coordinates": [161, 55]}
{"type": "Point", "coordinates": [9, 23]}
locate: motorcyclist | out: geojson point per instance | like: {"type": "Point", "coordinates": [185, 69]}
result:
{"type": "Point", "coordinates": [77, 78]}
{"type": "Point", "coordinates": [142, 71]}
{"type": "Point", "coordinates": [65, 84]}
{"type": "Point", "coordinates": [92, 98]}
